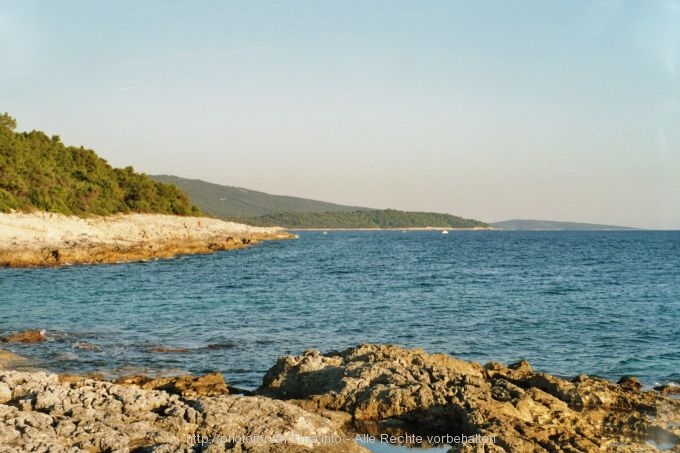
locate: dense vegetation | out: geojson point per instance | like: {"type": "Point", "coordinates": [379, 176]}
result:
{"type": "Point", "coordinates": [262, 209]}
{"type": "Point", "coordinates": [387, 218]}
{"type": "Point", "coordinates": [38, 172]}
{"type": "Point", "coordinates": [227, 202]}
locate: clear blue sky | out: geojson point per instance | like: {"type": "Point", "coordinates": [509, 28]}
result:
{"type": "Point", "coordinates": [559, 110]}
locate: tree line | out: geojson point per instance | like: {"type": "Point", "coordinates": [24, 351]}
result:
{"type": "Point", "coordinates": [378, 218]}
{"type": "Point", "coordinates": [38, 172]}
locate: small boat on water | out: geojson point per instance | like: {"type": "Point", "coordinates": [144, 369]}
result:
{"type": "Point", "coordinates": [445, 231]}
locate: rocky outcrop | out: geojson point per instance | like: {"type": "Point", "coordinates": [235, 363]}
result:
{"type": "Point", "coordinates": [44, 239]}
{"type": "Point", "coordinates": [211, 384]}
{"type": "Point", "coordinates": [668, 389]}
{"type": "Point", "coordinates": [10, 360]}
{"type": "Point", "coordinates": [523, 410]}
{"type": "Point", "coordinates": [41, 413]}
{"type": "Point", "coordinates": [26, 336]}
{"type": "Point", "coordinates": [312, 403]}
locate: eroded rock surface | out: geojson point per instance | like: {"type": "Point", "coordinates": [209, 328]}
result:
{"type": "Point", "coordinates": [26, 336]}
{"type": "Point", "coordinates": [48, 239]}
{"type": "Point", "coordinates": [524, 410]}
{"type": "Point", "coordinates": [39, 412]}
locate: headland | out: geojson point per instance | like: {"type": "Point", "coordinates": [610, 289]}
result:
{"type": "Point", "coordinates": [48, 239]}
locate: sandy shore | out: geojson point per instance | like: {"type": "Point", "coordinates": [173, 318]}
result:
{"type": "Point", "coordinates": [44, 239]}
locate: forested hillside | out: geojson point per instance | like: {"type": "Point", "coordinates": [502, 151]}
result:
{"type": "Point", "coordinates": [263, 209]}
{"type": "Point", "coordinates": [384, 218]}
{"type": "Point", "coordinates": [228, 202]}
{"type": "Point", "coordinates": [38, 172]}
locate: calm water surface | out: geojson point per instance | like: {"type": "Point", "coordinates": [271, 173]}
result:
{"type": "Point", "coordinates": [603, 303]}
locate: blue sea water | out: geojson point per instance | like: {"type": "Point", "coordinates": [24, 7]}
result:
{"type": "Point", "coordinates": [605, 303]}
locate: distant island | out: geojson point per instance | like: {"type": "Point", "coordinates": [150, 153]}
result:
{"type": "Point", "coordinates": [369, 219]}
{"type": "Point", "coordinates": [262, 209]}
{"type": "Point", "coordinates": [518, 224]}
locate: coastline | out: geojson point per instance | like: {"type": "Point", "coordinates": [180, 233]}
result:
{"type": "Point", "coordinates": [45, 239]}
{"type": "Point", "coordinates": [333, 402]}
{"type": "Point", "coordinates": [398, 229]}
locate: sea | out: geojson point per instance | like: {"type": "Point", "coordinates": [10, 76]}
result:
{"type": "Point", "coordinates": [604, 303]}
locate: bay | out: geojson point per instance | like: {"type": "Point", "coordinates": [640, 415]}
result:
{"type": "Point", "coordinates": [605, 303]}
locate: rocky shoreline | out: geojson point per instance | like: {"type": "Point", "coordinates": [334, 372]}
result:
{"type": "Point", "coordinates": [43, 239]}
{"type": "Point", "coordinates": [318, 402]}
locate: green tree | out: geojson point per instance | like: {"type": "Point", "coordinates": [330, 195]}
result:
{"type": "Point", "coordinates": [40, 172]}
{"type": "Point", "coordinates": [7, 121]}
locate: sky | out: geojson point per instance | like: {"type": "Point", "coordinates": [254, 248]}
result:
{"type": "Point", "coordinates": [494, 110]}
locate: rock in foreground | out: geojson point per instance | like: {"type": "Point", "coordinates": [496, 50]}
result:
{"type": "Point", "coordinates": [39, 413]}
{"type": "Point", "coordinates": [524, 411]}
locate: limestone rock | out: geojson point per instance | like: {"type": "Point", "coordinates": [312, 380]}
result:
{"type": "Point", "coordinates": [41, 412]}
{"type": "Point", "coordinates": [211, 384]}
{"type": "Point", "coordinates": [10, 360]}
{"type": "Point", "coordinates": [123, 237]}
{"type": "Point", "coordinates": [525, 411]}
{"type": "Point", "coordinates": [630, 383]}
{"type": "Point", "coordinates": [26, 336]}
{"type": "Point", "coordinates": [668, 389]}
{"type": "Point", "coordinates": [266, 425]}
